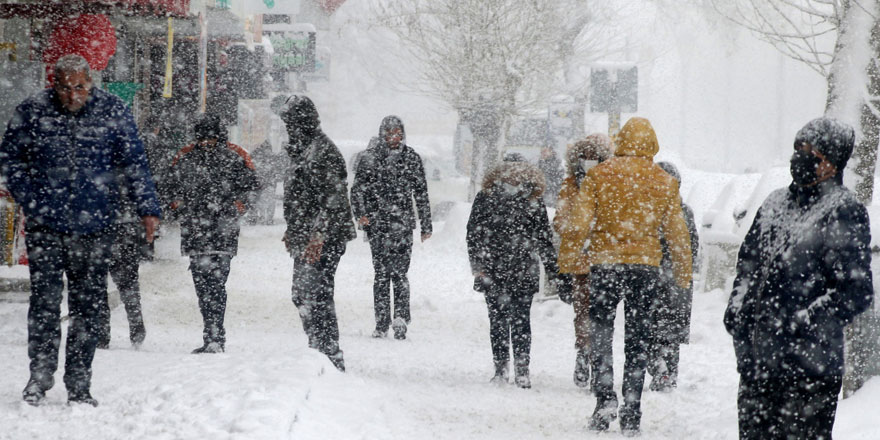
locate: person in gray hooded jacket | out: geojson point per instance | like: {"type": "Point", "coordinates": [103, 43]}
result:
{"type": "Point", "coordinates": [388, 177]}
{"type": "Point", "coordinates": [319, 221]}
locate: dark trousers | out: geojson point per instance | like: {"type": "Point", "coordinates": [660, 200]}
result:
{"type": "Point", "coordinates": [127, 252]}
{"type": "Point", "coordinates": [788, 408]}
{"type": "Point", "coordinates": [391, 257]}
{"type": "Point", "coordinates": [84, 258]}
{"type": "Point", "coordinates": [509, 324]}
{"type": "Point", "coordinates": [210, 272]}
{"type": "Point", "coordinates": [636, 285]}
{"type": "Point", "coordinates": [312, 293]}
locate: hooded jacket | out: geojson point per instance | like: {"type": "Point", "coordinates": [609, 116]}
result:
{"type": "Point", "coordinates": [626, 202]}
{"type": "Point", "coordinates": [386, 182]}
{"type": "Point", "coordinates": [572, 257]}
{"type": "Point", "coordinates": [803, 272]}
{"type": "Point", "coordinates": [62, 168]}
{"type": "Point", "coordinates": [315, 187]}
{"type": "Point", "coordinates": [508, 227]}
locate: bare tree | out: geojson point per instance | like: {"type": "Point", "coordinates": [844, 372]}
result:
{"type": "Point", "coordinates": [491, 59]}
{"type": "Point", "coordinates": [839, 39]}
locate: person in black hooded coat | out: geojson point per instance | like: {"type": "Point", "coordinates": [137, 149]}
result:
{"type": "Point", "coordinates": [212, 180]}
{"type": "Point", "coordinates": [508, 227]}
{"type": "Point", "coordinates": [319, 221]}
{"type": "Point", "coordinates": [388, 177]}
{"type": "Point", "coordinates": [803, 273]}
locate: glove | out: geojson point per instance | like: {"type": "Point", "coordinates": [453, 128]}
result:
{"type": "Point", "coordinates": [564, 287]}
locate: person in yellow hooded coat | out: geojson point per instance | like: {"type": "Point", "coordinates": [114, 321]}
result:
{"type": "Point", "coordinates": [623, 206]}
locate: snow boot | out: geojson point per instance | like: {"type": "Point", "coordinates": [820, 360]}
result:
{"type": "Point", "coordinates": [582, 369]}
{"type": "Point", "coordinates": [502, 373]}
{"type": "Point", "coordinates": [81, 397]}
{"type": "Point", "coordinates": [337, 360]}
{"type": "Point", "coordinates": [379, 334]}
{"type": "Point", "coordinates": [136, 331]}
{"type": "Point", "coordinates": [399, 326]}
{"type": "Point", "coordinates": [210, 347]}
{"type": "Point", "coordinates": [603, 415]}
{"type": "Point", "coordinates": [34, 392]}
{"type": "Point", "coordinates": [629, 421]}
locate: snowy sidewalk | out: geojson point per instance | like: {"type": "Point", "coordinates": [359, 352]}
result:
{"type": "Point", "coordinates": [269, 385]}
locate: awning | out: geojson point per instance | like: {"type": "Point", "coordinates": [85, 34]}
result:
{"type": "Point", "coordinates": [48, 8]}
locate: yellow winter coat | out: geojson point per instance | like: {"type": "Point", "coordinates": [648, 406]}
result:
{"type": "Point", "coordinates": [625, 202]}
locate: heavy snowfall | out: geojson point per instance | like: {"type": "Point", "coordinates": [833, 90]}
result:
{"type": "Point", "coordinates": [725, 106]}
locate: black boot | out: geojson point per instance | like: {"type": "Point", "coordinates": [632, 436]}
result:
{"type": "Point", "coordinates": [337, 360]}
{"type": "Point", "coordinates": [209, 347]}
{"type": "Point", "coordinates": [582, 369]}
{"type": "Point", "coordinates": [136, 331]}
{"type": "Point", "coordinates": [522, 375]}
{"type": "Point", "coordinates": [81, 396]}
{"type": "Point", "coordinates": [603, 415]}
{"type": "Point", "coordinates": [502, 373]}
{"type": "Point", "coordinates": [35, 391]}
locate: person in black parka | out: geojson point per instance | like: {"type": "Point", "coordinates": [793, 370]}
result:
{"type": "Point", "coordinates": [388, 177]}
{"type": "Point", "coordinates": [803, 273]}
{"type": "Point", "coordinates": [507, 228]}
{"type": "Point", "coordinates": [319, 221]}
{"type": "Point", "coordinates": [671, 310]}
{"type": "Point", "coordinates": [212, 180]}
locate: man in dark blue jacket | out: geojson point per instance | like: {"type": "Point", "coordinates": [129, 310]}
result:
{"type": "Point", "coordinates": [388, 177]}
{"type": "Point", "coordinates": [60, 156]}
{"type": "Point", "coordinates": [803, 274]}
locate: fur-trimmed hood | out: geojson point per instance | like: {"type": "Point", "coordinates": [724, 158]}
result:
{"type": "Point", "coordinates": [596, 146]}
{"type": "Point", "coordinates": [522, 174]}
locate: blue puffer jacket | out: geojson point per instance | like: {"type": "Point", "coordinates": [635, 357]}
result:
{"type": "Point", "coordinates": [62, 168]}
{"type": "Point", "coordinates": [803, 274]}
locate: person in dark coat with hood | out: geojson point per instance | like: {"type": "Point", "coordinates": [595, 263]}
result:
{"type": "Point", "coordinates": [508, 227]}
{"type": "Point", "coordinates": [671, 309]}
{"type": "Point", "coordinates": [389, 176]}
{"type": "Point", "coordinates": [319, 221]}
{"type": "Point", "coordinates": [803, 273]}
{"type": "Point", "coordinates": [212, 180]}
{"type": "Point", "coordinates": [60, 155]}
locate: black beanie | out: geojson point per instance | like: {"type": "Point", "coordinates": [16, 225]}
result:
{"type": "Point", "coordinates": [209, 127]}
{"type": "Point", "coordinates": [834, 139]}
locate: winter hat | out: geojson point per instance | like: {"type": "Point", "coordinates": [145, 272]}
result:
{"type": "Point", "coordinates": [671, 170]}
{"type": "Point", "coordinates": [637, 138]}
{"type": "Point", "coordinates": [389, 123]}
{"type": "Point", "coordinates": [596, 146]}
{"type": "Point", "coordinates": [300, 111]}
{"type": "Point", "coordinates": [209, 127]}
{"type": "Point", "coordinates": [834, 139]}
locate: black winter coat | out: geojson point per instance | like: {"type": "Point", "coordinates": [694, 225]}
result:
{"type": "Point", "coordinates": [212, 186]}
{"type": "Point", "coordinates": [385, 185]}
{"type": "Point", "coordinates": [803, 273]}
{"type": "Point", "coordinates": [506, 233]}
{"type": "Point", "coordinates": [316, 195]}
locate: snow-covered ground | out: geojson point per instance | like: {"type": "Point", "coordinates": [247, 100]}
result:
{"type": "Point", "coordinates": [435, 384]}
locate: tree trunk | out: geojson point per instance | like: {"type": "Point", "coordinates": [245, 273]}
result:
{"type": "Point", "coordinates": [855, 72]}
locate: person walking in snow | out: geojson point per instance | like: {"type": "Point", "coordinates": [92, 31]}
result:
{"type": "Point", "coordinates": [551, 166]}
{"type": "Point", "coordinates": [508, 227]}
{"type": "Point", "coordinates": [60, 155]}
{"type": "Point", "coordinates": [319, 221]}
{"type": "Point", "coordinates": [802, 274]}
{"type": "Point", "coordinates": [211, 182]}
{"type": "Point", "coordinates": [623, 206]}
{"type": "Point", "coordinates": [671, 310]}
{"type": "Point", "coordinates": [389, 176]}
{"type": "Point", "coordinates": [580, 158]}
{"type": "Point", "coordinates": [269, 166]}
